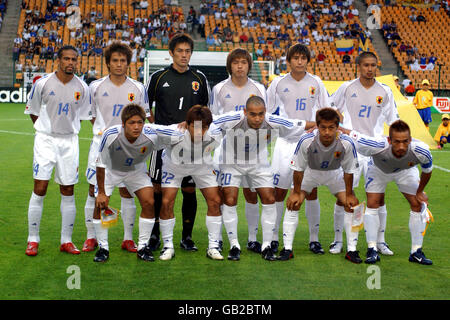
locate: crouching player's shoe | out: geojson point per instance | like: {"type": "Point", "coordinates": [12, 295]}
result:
{"type": "Point", "coordinates": [167, 254]}
{"type": "Point", "coordinates": [353, 256]}
{"type": "Point", "coordinates": [69, 247]}
{"type": "Point", "coordinates": [419, 257]}
{"type": "Point", "coordinates": [234, 254]}
{"type": "Point", "coordinates": [384, 249]}
{"type": "Point", "coordinates": [32, 248]}
{"type": "Point", "coordinates": [145, 254]}
{"type": "Point", "coordinates": [101, 255]}
{"type": "Point", "coordinates": [129, 245]}
{"type": "Point", "coordinates": [336, 247]}
{"type": "Point", "coordinates": [89, 245]}
{"type": "Point", "coordinates": [268, 254]}
{"type": "Point", "coordinates": [372, 256]}
{"type": "Point", "coordinates": [285, 254]}
{"type": "Point", "coordinates": [213, 253]}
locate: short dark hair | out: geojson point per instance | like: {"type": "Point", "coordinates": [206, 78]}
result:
{"type": "Point", "coordinates": [180, 38]}
{"type": "Point", "coordinates": [365, 54]}
{"type": "Point", "coordinates": [298, 49]}
{"type": "Point", "coordinates": [132, 110]}
{"type": "Point", "coordinates": [236, 54]}
{"type": "Point", "coordinates": [65, 48]}
{"type": "Point", "coordinates": [399, 126]}
{"type": "Point", "coordinates": [119, 47]}
{"type": "Point", "coordinates": [327, 114]}
{"type": "Point", "coordinates": [199, 113]}
{"type": "Point", "coordinates": [255, 100]}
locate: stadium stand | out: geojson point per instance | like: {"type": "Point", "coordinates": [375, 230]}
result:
{"type": "Point", "coordinates": [44, 25]}
{"type": "Point", "coordinates": [418, 38]}
{"type": "Point", "coordinates": [267, 29]}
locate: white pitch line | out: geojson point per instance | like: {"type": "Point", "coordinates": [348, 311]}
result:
{"type": "Point", "coordinates": [32, 134]}
{"type": "Point", "coordinates": [440, 168]}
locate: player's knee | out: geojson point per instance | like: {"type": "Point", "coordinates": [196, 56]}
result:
{"type": "Point", "coordinates": [373, 203]}
{"type": "Point", "coordinates": [230, 200]}
{"type": "Point", "coordinates": [268, 198]}
{"type": "Point", "coordinates": [280, 194]}
{"type": "Point", "coordinates": [213, 204]}
{"type": "Point", "coordinates": [312, 195]}
{"type": "Point", "coordinates": [415, 204]}
{"type": "Point", "coordinates": [66, 190]}
{"type": "Point", "coordinates": [124, 193]}
{"type": "Point", "coordinates": [250, 197]}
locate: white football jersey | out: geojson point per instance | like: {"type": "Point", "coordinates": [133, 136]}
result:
{"type": "Point", "coordinates": [365, 110]}
{"type": "Point", "coordinates": [294, 99]}
{"type": "Point", "coordinates": [108, 100]}
{"type": "Point", "coordinates": [246, 145]}
{"type": "Point", "coordinates": [117, 153]}
{"type": "Point", "coordinates": [310, 152]}
{"type": "Point", "coordinates": [226, 97]}
{"type": "Point", "coordinates": [59, 106]}
{"type": "Point", "coordinates": [381, 152]}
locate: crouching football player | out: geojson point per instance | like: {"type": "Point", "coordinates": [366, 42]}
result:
{"type": "Point", "coordinates": [323, 157]}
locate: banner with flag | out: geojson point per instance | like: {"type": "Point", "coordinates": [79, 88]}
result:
{"type": "Point", "coordinates": [343, 46]}
{"type": "Point", "coordinates": [363, 43]}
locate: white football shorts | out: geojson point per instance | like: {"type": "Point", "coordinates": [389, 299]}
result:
{"type": "Point", "coordinates": [407, 180]}
{"type": "Point", "coordinates": [333, 179]}
{"type": "Point", "coordinates": [59, 152]}
{"type": "Point", "coordinates": [282, 155]}
{"type": "Point", "coordinates": [203, 175]}
{"type": "Point", "coordinates": [258, 176]}
{"type": "Point", "coordinates": [133, 180]}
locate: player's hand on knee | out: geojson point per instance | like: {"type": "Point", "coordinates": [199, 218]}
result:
{"type": "Point", "coordinates": [294, 201]}
{"type": "Point", "coordinates": [422, 197]}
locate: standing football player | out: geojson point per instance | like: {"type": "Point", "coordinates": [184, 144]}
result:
{"type": "Point", "coordinates": [110, 95]}
{"type": "Point", "coordinates": [366, 105]}
{"type": "Point", "coordinates": [57, 103]}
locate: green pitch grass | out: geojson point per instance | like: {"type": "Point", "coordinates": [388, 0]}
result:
{"type": "Point", "coordinates": [192, 275]}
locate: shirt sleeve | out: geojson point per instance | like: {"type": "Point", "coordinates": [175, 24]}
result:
{"type": "Point", "coordinates": [422, 152]}
{"type": "Point", "coordinates": [274, 103]}
{"type": "Point", "coordinates": [86, 103]}
{"type": "Point", "coordinates": [291, 130]}
{"type": "Point", "coordinates": [215, 106]}
{"type": "Point", "coordinates": [337, 99]}
{"type": "Point", "coordinates": [324, 100]}
{"type": "Point", "coordinates": [228, 120]}
{"type": "Point", "coordinates": [390, 109]}
{"type": "Point", "coordinates": [166, 135]}
{"type": "Point", "coordinates": [144, 103]}
{"type": "Point", "coordinates": [350, 161]}
{"type": "Point", "coordinates": [366, 145]}
{"type": "Point", "coordinates": [108, 137]}
{"type": "Point", "coordinates": [299, 161]}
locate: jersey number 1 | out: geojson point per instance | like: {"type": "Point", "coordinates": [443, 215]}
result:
{"type": "Point", "coordinates": [181, 103]}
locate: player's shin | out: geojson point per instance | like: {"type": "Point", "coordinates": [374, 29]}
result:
{"type": "Point", "coordinates": [371, 226]}
{"type": "Point", "coordinates": [230, 221]}
{"type": "Point", "coordinates": [339, 213]}
{"type": "Point", "coordinates": [167, 227]}
{"type": "Point", "coordinates": [290, 224]}
{"type": "Point", "coordinates": [214, 226]}
{"type": "Point", "coordinates": [89, 216]}
{"type": "Point", "coordinates": [128, 210]}
{"type": "Point", "coordinates": [352, 237]}
{"type": "Point", "coordinates": [101, 234]}
{"type": "Point", "coordinates": [268, 217]}
{"type": "Point", "coordinates": [252, 215]}
{"type": "Point", "coordinates": [312, 212]}
{"type": "Point", "coordinates": [189, 211]}
{"type": "Point", "coordinates": [35, 208]}
{"type": "Point", "coordinates": [68, 213]}
{"type": "Point", "coordinates": [382, 213]}
{"type": "Point", "coordinates": [145, 230]}
{"type": "Point", "coordinates": [279, 205]}
{"type": "Point", "coordinates": [416, 227]}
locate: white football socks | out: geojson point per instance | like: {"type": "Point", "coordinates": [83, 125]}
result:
{"type": "Point", "coordinates": [252, 215]}
{"type": "Point", "coordinates": [416, 227]}
{"type": "Point", "coordinates": [166, 228]}
{"type": "Point", "coordinates": [128, 210]}
{"type": "Point", "coordinates": [89, 216]}
{"type": "Point", "coordinates": [312, 212]}
{"type": "Point", "coordinates": [145, 231]}
{"type": "Point", "coordinates": [290, 224]}
{"type": "Point", "coordinates": [371, 226]}
{"type": "Point", "coordinates": [268, 218]}
{"type": "Point", "coordinates": [101, 234]}
{"type": "Point", "coordinates": [68, 213]}
{"type": "Point", "coordinates": [339, 213]}
{"type": "Point", "coordinates": [35, 208]}
{"type": "Point", "coordinates": [214, 226]}
{"type": "Point", "coordinates": [352, 237]}
{"type": "Point", "coordinates": [230, 221]}
{"type": "Point", "coordinates": [280, 208]}
{"type": "Point", "coordinates": [382, 213]}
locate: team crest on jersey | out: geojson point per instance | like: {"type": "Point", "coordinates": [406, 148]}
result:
{"type": "Point", "coordinates": [77, 95]}
{"type": "Point", "coordinates": [195, 86]}
{"type": "Point", "coordinates": [337, 154]}
{"type": "Point", "coordinates": [143, 149]}
{"type": "Point", "coordinates": [312, 90]}
{"type": "Point", "coordinates": [131, 97]}
{"type": "Point", "coordinates": [379, 99]}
